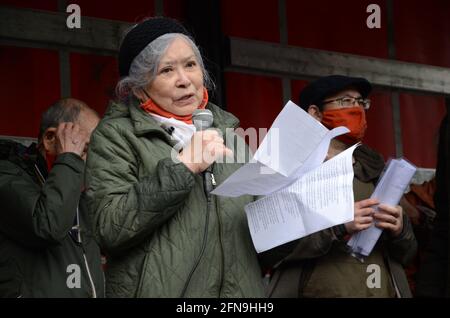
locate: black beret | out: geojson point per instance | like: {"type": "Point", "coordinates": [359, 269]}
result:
{"type": "Point", "coordinates": [315, 92]}
{"type": "Point", "coordinates": [143, 34]}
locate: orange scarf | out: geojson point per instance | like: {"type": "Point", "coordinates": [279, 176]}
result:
{"type": "Point", "coordinates": [50, 160]}
{"type": "Point", "coordinates": [151, 107]}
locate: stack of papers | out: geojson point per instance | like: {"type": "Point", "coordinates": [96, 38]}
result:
{"type": "Point", "coordinates": [389, 190]}
{"type": "Point", "coordinates": [303, 194]}
{"type": "Point", "coordinates": [320, 199]}
{"type": "Point", "coordinates": [295, 144]}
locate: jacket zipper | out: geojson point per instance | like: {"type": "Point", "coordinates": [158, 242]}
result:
{"type": "Point", "coordinates": [94, 293]}
{"type": "Point", "coordinates": [222, 264]}
{"type": "Point", "coordinates": [91, 281]}
{"type": "Point", "coordinates": [206, 188]}
{"type": "Point", "coordinates": [394, 282]}
{"type": "Point", "coordinates": [387, 260]}
{"type": "Point", "coordinates": [39, 175]}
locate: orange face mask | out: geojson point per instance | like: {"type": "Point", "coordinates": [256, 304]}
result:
{"type": "Point", "coordinates": [353, 118]}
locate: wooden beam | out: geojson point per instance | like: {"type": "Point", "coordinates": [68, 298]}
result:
{"type": "Point", "coordinates": [296, 62]}
{"type": "Point", "coordinates": [44, 29]}
{"type": "Point", "coordinates": [49, 28]}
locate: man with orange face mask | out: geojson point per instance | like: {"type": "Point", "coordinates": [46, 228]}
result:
{"type": "Point", "coordinates": [47, 248]}
{"type": "Point", "coordinates": [320, 264]}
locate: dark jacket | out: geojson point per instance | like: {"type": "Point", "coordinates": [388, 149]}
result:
{"type": "Point", "coordinates": [164, 236]}
{"type": "Point", "coordinates": [38, 256]}
{"type": "Point", "coordinates": [434, 278]}
{"type": "Point", "coordinates": [294, 263]}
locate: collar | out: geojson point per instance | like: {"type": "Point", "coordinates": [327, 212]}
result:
{"type": "Point", "coordinates": [154, 109]}
{"type": "Point", "coordinates": [144, 124]}
{"type": "Point", "coordinates": [368, 164]}
{"type": "Point", "coordinates": [41, 166]}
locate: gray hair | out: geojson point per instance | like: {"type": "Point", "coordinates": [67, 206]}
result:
{"type": "Point", "coordinates": [144, 67]}
{"type": "Point", "coordinates": [63, 110]}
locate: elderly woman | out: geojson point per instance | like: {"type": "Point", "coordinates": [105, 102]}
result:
{"type": "Point", "coordinates": [164, 235]}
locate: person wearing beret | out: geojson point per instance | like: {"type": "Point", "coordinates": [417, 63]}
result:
{"type": "Point", "coordinates": [320, 265]}
{"type": "Point", "coordinates": [164, 233]}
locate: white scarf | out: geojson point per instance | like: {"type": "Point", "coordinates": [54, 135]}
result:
{"type": "Point", "coordinates": [182, 132]}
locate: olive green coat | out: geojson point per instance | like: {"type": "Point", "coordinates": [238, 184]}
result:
{"type": "Point", "coordinates": [163, 236]}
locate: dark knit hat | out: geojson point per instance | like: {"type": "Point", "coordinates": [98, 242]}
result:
{"type": "Point", "coordinates": [315, 92]}
{"type": "Point", "coordinates": [143, 34]}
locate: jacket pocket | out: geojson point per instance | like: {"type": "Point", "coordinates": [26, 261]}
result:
{"type": "Point", "coordinates": [10, 280]}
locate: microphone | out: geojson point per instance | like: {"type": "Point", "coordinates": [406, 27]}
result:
{"type": "Point", "coordinates": [202, 120]}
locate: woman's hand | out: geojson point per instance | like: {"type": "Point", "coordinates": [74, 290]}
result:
{"type": "Point", "coordinates": [363, 219]}
{"type": "Point", "coordinates": [390, 218]}
{"type": "Point", "coordinates": [205, 148]}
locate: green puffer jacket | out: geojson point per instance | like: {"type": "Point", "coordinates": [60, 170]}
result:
{"type": "Point", "coordinates": [163, 237]}
{"type": "Point", "coordinates": [38, 256]}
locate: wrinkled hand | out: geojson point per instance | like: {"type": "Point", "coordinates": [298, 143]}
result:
{"type": "Point", "coordinates": [389, 218]}
{"type": "Point", "coordinates": [364, 211]}
{"type": "Point", "coordinates": [69, 138]}
{"type": "Point", "coordinates": [205, 148]}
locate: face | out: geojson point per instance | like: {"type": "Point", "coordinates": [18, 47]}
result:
{"type": "Point", "coordinates": [178, 85]}
{"type": "Point", "coordinates": [316, 113]}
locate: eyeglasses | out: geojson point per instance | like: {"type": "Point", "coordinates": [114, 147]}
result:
{"type": "Point", "coordinates": [349, 101]}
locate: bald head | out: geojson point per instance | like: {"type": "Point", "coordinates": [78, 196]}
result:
{"type": "Point", "coordinates": [65, 110]}
{"type": "Point", "coordinates": [55, 131]}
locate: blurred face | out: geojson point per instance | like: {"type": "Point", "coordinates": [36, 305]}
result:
{"type": "Point", "coordinates": [178, 85]}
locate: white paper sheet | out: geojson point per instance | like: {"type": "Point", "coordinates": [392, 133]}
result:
{"type": "Point", "coordinates": [318, 200]}
{"type": "Point", "coordinates": [295, 144]}
{"type": "Point", "coordinates": [293, 135]}
{"type": "Point", "coordinates": [389, 190]}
